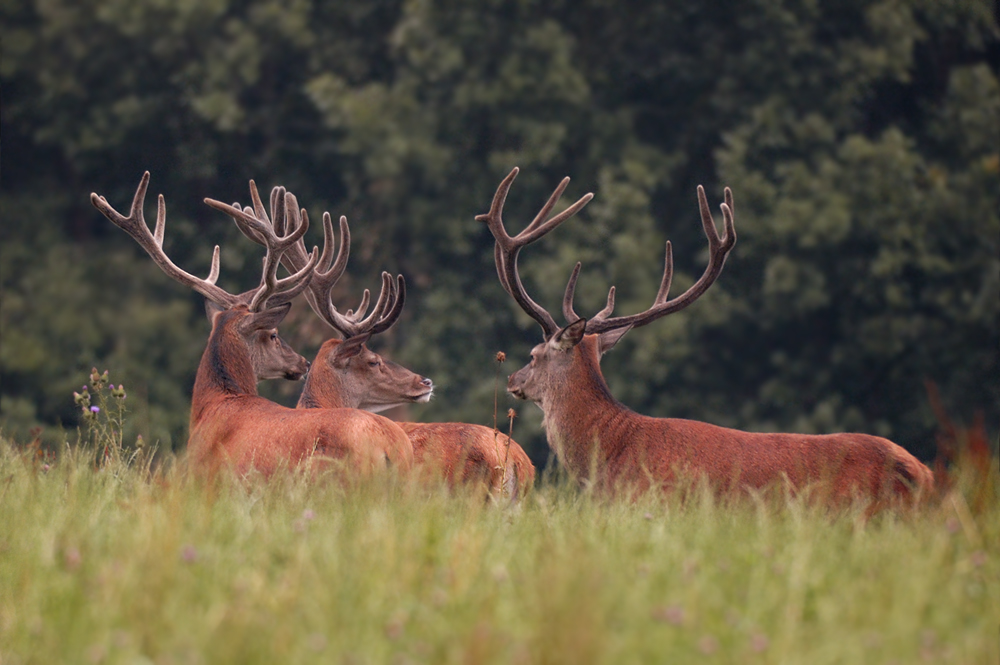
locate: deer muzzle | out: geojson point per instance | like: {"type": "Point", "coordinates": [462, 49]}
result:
{"type": "Point", "coordinates": [515, 384]}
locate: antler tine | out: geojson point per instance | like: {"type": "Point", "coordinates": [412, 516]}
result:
{"type": "Point", "coordinates": [326, 260]}
{"type": "Point", "coordinates": [288, 288]}
{"type": "Point", "coordinates": [567, 306]}
{"type": "Point", "coordinates": [385, 313]}
{"type": "Point", "coordinates": [385, 294]}
{"type": "Point", "coordinates": [507, 248]}
{"type": "Point", "coordinates": [295, 257]}
{"type": "Point", "coordinates": [549, 205]}
{"type": "Point", "coordinates": [282, 202]}
{"type": "Point", "coordinates": [531, 234]}
{"type": "Point", "coordinates": [570, 314]}
{"type": "Point", "coordinates": [328, 270]}
{"type": "Point", "coordinates": [346, 324]}
{"type": "Point", "coordinates": [390, 317]}
{"type": "Point", "coordinates": [259, 213]}
{"type": "Point", "coordinates": [255, 224]}
{"type": "Point", "coordinates": [274, 292]}
{"type": "Point", "coordinates": [213, 275]}
{"type": "Point", "coordinates": [610, 306]}
{"type": "Point", "coordinates": [288, 221]}
{"type": "Point", "coordinates": [668, 275]}
{"type": "Point", "coordinates": [135, 225]}
{"type": "Point", "coordinates": [366, 299]}
{"type": "Point", "coordinates": [719, 248]}
{"type": "Point", "coordinates": [328, 275]}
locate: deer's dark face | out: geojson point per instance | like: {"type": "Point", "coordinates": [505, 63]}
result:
{"type": "Point", "coordinates": [551, 370]}
{"type": "Point", "coordinates": [272, 357]}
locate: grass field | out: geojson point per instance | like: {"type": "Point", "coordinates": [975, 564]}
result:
{"type": "Point", "coordinates": [116, 564]}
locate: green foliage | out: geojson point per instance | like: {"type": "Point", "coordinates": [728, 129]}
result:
{"type": "Point", "coordinates": [860, 140]}
{"type": "Point", "coordinates": [121, 563]}
{"type": "Point", "coordinates": [73, 309]}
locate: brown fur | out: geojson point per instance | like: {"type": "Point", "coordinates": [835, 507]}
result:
{"type": "Point", "coordinates": [459, 452]}
{"type": "Point", "coordinates": [360, 380]}
{"type": "Point", "coordinates": [231, 425]}
{"type": "Point", "coordinates": [463, 453]}
{"type": "Point", "coordinates": [588, 429]}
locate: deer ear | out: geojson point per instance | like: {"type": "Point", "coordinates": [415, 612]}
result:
{"type": "Point", "coordinates": [269, 318]}
{"type": "Point", "coordinates": [568, 337]}
{"type": "Point", "coordinates": [349, 348]}
{"type": "Point", "coordinates": [211, 309]}
{"type": "Point", "coordinates": [607, 340]}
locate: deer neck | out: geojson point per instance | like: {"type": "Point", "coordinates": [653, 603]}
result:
{"type": "Point", "coordinates": [584, 423]}
{"type": "Point", "coordinates": [324, 388]}
{"type": "Point", "coordinates": [225, 369]}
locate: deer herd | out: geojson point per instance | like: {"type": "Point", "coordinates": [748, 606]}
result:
{"type": "Point", "coordinates": [598, 440]}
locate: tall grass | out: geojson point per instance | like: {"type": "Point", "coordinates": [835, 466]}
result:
{"type": "Point", "coordinates": [115, 564]}
{"type": "Point", "coordinates": [105, 559]}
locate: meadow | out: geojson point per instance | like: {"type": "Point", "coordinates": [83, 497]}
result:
{"type": "Point", "coordinates": [109, 555]}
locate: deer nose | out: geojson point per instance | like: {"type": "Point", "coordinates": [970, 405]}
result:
{"type": "Point", "coordinates": [427, 382]}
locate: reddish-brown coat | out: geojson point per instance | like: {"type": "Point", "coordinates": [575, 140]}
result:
{"type": "Point", "coordinates": [599, 439]}
{"type": "Point", "coordinates": [232, 426]}
{"type": "Point", "coordinates": [459, 452]}
{"type": "Point", "coordinates": [464, 453]}
{"type": "Point", "coordinates": [588, 429]}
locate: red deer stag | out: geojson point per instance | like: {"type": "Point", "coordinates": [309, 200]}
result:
{"type": "Point", "coordinates": [600, 440]}
{"type": "Point", "coordinates": [346, 374]}
{"type": "Point", "coordinates": [230, 423]}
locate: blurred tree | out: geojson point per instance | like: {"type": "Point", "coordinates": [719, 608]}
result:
{"type": "Point", "coordinates": [870, 221]}
{"type": "Point", "coordinates": [205, 95]}
{"type": "Point", "coordinates": [859, 138]}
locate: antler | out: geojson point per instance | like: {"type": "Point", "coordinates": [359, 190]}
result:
{"type": "Point", "coordinates": [285, 211]}
{"type": "Point", "coordinates": [135, 226]}
{"type": "Point", "coordinates": [718, 248]}
{"type": "Point", "coordinates": [507, 248]}
{"type": "Point", "coordinates": [272, 290]}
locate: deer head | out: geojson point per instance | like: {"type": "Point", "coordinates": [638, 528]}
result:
{"type": "Point", "coordinates": [346, 373]}
{"type": "Point", "coordinates": [251, 318]}
{"type": "Point", "coordinates": [561, 362]}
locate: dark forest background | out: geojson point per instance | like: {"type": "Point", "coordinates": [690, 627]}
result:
{"type": "Point", "coordinates": [861, 140]}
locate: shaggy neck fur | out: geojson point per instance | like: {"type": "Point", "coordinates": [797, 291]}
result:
{"type": "Point", "coordinates": [584, 423]}
{"type": "Point", "coordinates": [225, 369]}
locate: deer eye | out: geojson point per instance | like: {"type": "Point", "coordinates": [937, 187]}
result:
{"type": "Point", "coordinates": [373, 363]}
{"type": "Point", "coordinates": [274, 337]}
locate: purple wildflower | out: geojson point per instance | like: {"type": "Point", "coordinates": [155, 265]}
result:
{"type": "Point", "coordinates": [708, 645]}
{"type": "Point", "coordinates": [72, 558]}
{"type": "Point", "coordinates": [189, 554]}
{"type": "Point", "coordinates": [759, 642]}
{"type": "Point", "coordinates": [672, 614]}
{"type": "Point", "coordinates": [95, 409]}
